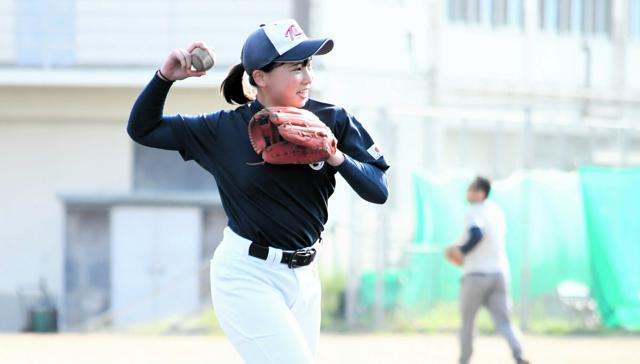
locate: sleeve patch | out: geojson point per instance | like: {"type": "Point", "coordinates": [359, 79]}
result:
{"type": "Point", "coordinates": [375, 151]}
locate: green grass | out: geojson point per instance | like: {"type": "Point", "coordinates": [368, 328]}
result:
{"type": "Point", "coordinates": [333, 290]}
{"type": "Point", "coordinates": [546, 318]}
{"type": "Point", "coordinates": [203, 322]}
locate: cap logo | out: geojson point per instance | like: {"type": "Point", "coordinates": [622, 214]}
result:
{"type": "Point", "coordinates": [293, 32]}
{"type": "Point", "coordinates": [284, 35]}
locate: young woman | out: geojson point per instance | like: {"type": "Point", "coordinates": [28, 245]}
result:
{"type": "Point", "coordinates": [264, 281]}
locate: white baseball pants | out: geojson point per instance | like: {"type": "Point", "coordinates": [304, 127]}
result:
{"type": "Point", "coordinates": [269, 312]}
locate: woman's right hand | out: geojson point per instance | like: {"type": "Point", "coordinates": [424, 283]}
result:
{"type": "Point", "coordinates": [177, 66]}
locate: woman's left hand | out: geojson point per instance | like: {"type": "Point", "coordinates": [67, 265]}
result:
{"type": "Point", "coordinates": [336, 159]}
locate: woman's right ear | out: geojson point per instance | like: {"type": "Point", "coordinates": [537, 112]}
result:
{"type": "Point", "coordinates": [259, 77]}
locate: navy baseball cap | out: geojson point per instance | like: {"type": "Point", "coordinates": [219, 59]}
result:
{"type": "Point", "coordinates": [280, 41]}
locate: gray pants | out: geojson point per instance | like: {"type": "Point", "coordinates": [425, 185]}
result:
{"type": "Point", "coordinates": [489, 290]}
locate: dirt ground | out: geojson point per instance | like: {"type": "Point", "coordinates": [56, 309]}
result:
{"type": "Point", "coordinates": [383, 348]}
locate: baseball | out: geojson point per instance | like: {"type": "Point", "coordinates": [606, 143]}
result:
{"type": "Point", "coordinates": [202, 59]}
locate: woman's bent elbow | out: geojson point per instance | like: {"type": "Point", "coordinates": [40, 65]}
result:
{"type": "Point", "coordinates": [131, 131]}
{"type": "Point", "coordinates": [382, 197]}
{"type": "Point", "coordinates": [382, 194]}
{"type": "Point", "coordinates": [378, 197]}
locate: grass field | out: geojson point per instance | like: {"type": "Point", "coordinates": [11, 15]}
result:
{"type": "Point", "coordinates": [383, 348]}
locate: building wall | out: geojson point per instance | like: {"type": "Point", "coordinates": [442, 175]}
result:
{"type": "Point", "coordinates": [40, 159]}
{"type": "Point", "coordinates": [89, 33]}
{"type": "Point", "coordinates": [61, 140]}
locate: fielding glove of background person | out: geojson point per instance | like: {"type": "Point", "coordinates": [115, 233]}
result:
{"type": "Point", "coordinates": [454, 255]}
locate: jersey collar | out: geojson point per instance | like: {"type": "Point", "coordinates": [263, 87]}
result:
{"type": "Point", "coordinates": [255, 106]}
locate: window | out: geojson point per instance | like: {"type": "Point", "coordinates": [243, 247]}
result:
{"type": "Point", "coordinates": [597, 17]}
{"type": "Point", "coordinates": [516, 13]}
{"type": "Point", "coordinates": [575, 16]}
{"type": "Point", "coordinates": [634, 18]}
{"type": "Point", "coordinates": [499, 14]}
{"type": "Point", "coordinates": [602, 17]}
{"type": "Point", "coordinates": [164, 170]}
{"type": "Point", "coordinates": [45, 33]}
{"type": "Point", "coordinates": [564, 16]}
{"type": "Point", "coordinates": [549, 14]}
{"type": "Point", "coordinates": [493, 13]}
{"type": "Point", "coordinates": [456, 10]}
{"type": "Point", "coordinates": [577, 9]}
{"type": "Point", "coordinates": [473, 11]}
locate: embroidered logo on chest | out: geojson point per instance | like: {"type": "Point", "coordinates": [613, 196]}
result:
{"type": "Point", "coordinates": [316, 166]}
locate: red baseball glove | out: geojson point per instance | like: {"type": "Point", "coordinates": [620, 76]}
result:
{"type": "Point", "coordinates": [288, 135]}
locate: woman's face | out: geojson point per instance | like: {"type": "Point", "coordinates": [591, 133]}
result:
{"type": "Point", "coordinates": [288, 84]}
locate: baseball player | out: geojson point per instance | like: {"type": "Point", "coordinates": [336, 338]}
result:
{"type": "Point", "coordinates": [264, 280]}
{"type": "Point", "coordinates": [486, 270]}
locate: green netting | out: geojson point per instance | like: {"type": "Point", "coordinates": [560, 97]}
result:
{"type": "Point", "coordinates": [390, 290]}
{"type": "Point", "coordinates": [561, 226]}
{"type": "Point", "coordinates": [546, 241]}
{"type": "Point", "coordinates": [427, 278]}
{"type": "Point", "coordinates": [612, 212]}
{"type": "Point", "coordinates": [545, 225]}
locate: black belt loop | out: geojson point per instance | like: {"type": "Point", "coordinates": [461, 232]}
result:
{"type": "Point", "coordinates": [259, 251]}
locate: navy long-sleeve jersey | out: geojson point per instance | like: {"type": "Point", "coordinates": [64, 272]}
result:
{"type": "Point", "coordinates": [284, 206]}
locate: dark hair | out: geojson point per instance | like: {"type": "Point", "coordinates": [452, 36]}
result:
{"type": "Point", "coordinates": [481, 184]}
{"type": "Point", "coordinates": [232, 87]}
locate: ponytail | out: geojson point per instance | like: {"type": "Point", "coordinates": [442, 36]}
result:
{"type": "Point", "coordinates": [232, 88]}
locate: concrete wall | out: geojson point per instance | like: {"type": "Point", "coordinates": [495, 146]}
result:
{"type": "Point", "coordinates": [52, 141]}
{"type": "Point", "coordinates": [126, 33]}
{"type": "Point", "coordinates": [61, 140]}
